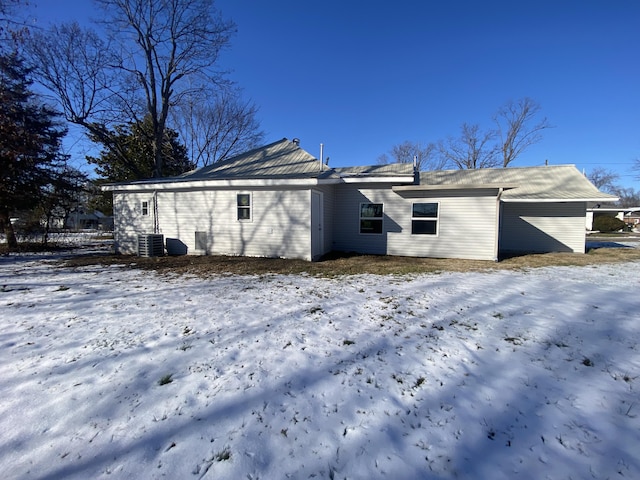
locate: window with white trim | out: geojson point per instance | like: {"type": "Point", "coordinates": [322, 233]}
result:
{"type": "Point", "coordinates": [144, 208]}
{"type": "Point", "coordinates": [243, 203]}
{"type": "Point", "coordinates": [371, 215]}
{"type": "Point", "coordinates": [424, 218]}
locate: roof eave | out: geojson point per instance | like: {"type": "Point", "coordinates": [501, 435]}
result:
{"type": "Point", "coordinates": [217, 183]}
{"type": "Point", "coordinates": [556, 200]}
{"type": "Point", "coordinates": [471, 186]}
{"type": "Point", "coordinates": [376, 179]}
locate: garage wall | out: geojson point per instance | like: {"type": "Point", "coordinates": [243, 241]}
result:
{"type": "Point", "coordinates": [543, 227]}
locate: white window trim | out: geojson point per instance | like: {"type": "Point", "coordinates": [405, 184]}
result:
{"type": "Point", "coordinates": [360, 218]}
{"type": "Point", "coordinates": [436, 219]}
{"type": "Point", "coordinates": [249, 207]}
{"type": "Point", "coordinates": [144, 208]}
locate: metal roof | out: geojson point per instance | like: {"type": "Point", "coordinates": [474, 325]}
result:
{"type": "Point", "coordinates": [549, 183]}
{"type": "Point", "coordinates": [385, 170]}
{"type": "Point", "coordinates": [281, 159]}
{"type": "Point", "coordinates": [285, 159]}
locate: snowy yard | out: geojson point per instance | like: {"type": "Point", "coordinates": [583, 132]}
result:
{"type": "Point", "coordinates": [110, 372]}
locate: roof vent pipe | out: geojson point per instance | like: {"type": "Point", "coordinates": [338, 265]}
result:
{"type": "Point", "coordinates": [321, 154]}
{"type": "Point", "coordinates": [296, 141]}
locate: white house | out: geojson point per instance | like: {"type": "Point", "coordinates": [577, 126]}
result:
{"type": "Point", "coordinates": [280, 201]}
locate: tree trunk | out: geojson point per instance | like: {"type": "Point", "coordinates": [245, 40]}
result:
{"type": "Point", "coordinates": [10, 235]}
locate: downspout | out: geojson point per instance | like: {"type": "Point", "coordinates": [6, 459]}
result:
{"type": "Point", "coordinates": [156, 222]}
{"type": "Point", "coordinates": [498, 221]}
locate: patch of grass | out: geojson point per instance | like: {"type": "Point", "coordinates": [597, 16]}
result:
{"type": "Point", "coordinates": [586, 361]}
{"type": "Point", "coordinates": [348, 342]}
{"type": "Point", "coordinates": [223, 455]}
{"type": "Point", "coordinates": [166, 379]}
{"type": "Point", "coordinates": [62, 288]}
{"type": "Point", "coordinates": [336, 265]}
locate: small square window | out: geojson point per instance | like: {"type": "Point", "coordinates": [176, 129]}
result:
{"type": "Point", "coordinates": [371, 215]}
{"type": "Point", "coordinates": [201, 241]}
{"type": "Point", "coordinates": [424, 219]}
{"type": "Point", "coordinates": [243, 203]}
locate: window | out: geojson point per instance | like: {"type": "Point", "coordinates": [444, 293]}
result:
{"type": "Point", "coordinates": [145, 208]}
{"type": "Point", "coordinates": [424, 219]}
{"type": "Point", "coordinates": [244, 206]}
{"type": "Point", "coordinates": [371, 218]}
{"type": "Point", "coordinates": [201, 241]}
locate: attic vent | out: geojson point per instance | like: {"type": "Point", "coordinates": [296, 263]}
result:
{"type": "Point", "coordinates": [150, 245]}
{"type": "Point", "coordinates": [296, 141]}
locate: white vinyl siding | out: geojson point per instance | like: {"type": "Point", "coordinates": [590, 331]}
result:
{"type": "Point", "coordinates": [279, 223]}
{"type": "Point", "coordinates": [543, 227]}
{"type": "Point", "coordinates": [466, 223]}
{"type": "Point", "coordinates": [129, 220]}
{"type": "Point", "coordinates": [466, 226]}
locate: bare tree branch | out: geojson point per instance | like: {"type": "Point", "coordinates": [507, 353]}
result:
{"type": "Point", "coordinates": [473, 149]}
{"type": "Point", "coordinates": [174, 40]}
{"type": "Point", "coordinates": [604, 179]}
{"type": "Point", "coordinates": [424, 155]}
{"type": "Point", "coordinates": [224, 126]}
{"type": "Point", "coordinates": [516, 129]}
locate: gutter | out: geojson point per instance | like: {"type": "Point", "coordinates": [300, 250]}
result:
{"type": "Point", "coordinates": [496, 248]}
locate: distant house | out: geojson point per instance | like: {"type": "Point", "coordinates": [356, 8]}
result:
{"type": "Point", "coordinates": [280, 201]}
{"type": "Point", "coordinates": [629, 215]}
{"type": "Point", "coordinates": [95, 220]}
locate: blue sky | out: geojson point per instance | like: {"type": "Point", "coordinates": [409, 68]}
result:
{"type": "Point", "coordinates": [361, 76]}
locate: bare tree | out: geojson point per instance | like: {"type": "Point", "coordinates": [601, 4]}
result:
{"type": "Point", "coordinates": [517, 128]}
{"type": "Point", "coordinates": [159, 53]}
{"type": "Point", "coordinates": [169, 47]}
{"type": "Point", "coordinates": [73, 63]}
{"type": "Point", "coordinates": [12, 27]}
{"type": "Point", "coordinates": [220, 129]}
{"type": "Point", "coordinates": [628, 197]}
{"type": "Point", "coordinates": [472, 149]}
{"type": "Point", "coordinates": [405, 152]}
{"type": "Point", "coordinates": [604, 179]}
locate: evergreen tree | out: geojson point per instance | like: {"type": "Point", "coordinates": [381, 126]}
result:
{"type": "Point", "coordinates": [30, 141]}
{"type": "Point", "coordinates": [135, 159]}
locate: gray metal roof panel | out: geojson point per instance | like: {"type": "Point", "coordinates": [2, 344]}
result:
{"type": "Point", "coordinates": [557, 182]}
{"type": "Point", "coordinates": [281, 159]}
{"type": "Point", "coordinates": [385, 170]}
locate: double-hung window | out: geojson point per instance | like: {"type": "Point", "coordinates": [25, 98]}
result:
{"type": "Point", "coordinates": [424, 219]}
{"type": "Point", "coordinates": [144, 208]}
{"type": "Point", "coordinates": [243, 204]}
{"type": "Point", "coordinates": [371, 215]}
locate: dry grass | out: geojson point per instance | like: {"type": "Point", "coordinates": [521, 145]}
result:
{"type": "Point", "coordinates": [337, 265]}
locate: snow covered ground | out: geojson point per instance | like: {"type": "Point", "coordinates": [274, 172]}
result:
{"type": "Point", "coordinates": [111, 372]}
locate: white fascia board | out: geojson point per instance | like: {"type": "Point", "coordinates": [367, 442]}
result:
{"type": "Point", "coordinates": [555, 200]}
{"type": "Point", "coordinates": [205, 184]}
{"type": "Point", "coordinates": [457, 186]}
{"type": "Point", "coordinates": [365, 179]}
